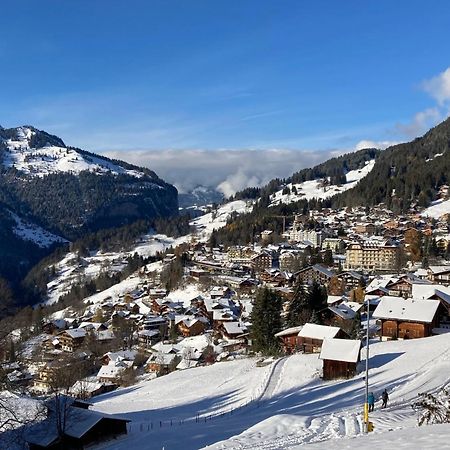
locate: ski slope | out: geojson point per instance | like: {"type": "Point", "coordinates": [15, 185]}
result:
{"type": "Point", "coordinates": [237, 405]}
{"type": "Point", "coordinates": [318, 189]}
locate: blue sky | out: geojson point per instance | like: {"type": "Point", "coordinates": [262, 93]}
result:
{"type": "Point", "coordinates": [157, 75]}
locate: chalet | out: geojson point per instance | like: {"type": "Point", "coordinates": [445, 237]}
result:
{"type": "Point", "coordinates": [275, 277]}
{"type": "Point", "coordinates": [83, 428]}
{"type": "Point", "coordinates": [190, 325]}
{"type": "Point", "coordinates": [439, 275]}
{"type": "Point", "coordinates": [289, 339]}
{"type": "Point", "coordinates": [112, 372]}
{"type": "Point", "coordinates": [311, 336]}
{"type": "Point", "coordinates": [84, 389]}
{"type": "Point", "coordinates": [72, 339]}
{"type": "Point", "coordinates": [364, 228]}
{"type": "Point", "coordinates": [340, 358]}
{"type": "Point", "coordinates": [147, 338]}
{"type": "Point", "coordinates": [233, 330]}
{"type": "Point", "coordinates": [111, 357]}
{"type": "Point", "coordinates": [345, 311]}
{"type": "Point", "coordinates": [351, 279]}
{"type": "Point", "coordinates": [403, 286]}
{"type": "Point", "coordinates": [316, 273]}
{"type": "Point", "coordinates": [55, 326]}
{"type": "Point", "coordinates": [163, 359]}
{"type": "Point", "coordinates": [406, 318]}
{"type": "Point", "coordinates": [336, 245]}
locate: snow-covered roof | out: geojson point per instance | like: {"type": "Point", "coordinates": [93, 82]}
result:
{"type": "Point", "coordinates": [314, 331]}
{"type": "Point", "coordinates": [439, 269]}
{"type": "Point", "coordinates": [410, 310]}
{"type": "Point", "coordinates": [76, 333]}
{"type": "Point", "coordinates": [346, 310]}
{"type": "Point", "coordinates": [288, 331]}
{"type": "Point", "coordinates": [340, 350]}
{"type": "Point", "coordinates": [235, 327]}
{"type": "Point", "coordinates": [78, 422]}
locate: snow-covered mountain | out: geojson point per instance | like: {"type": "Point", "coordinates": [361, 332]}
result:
{"type": "Point", "coordinates": [30, 152]}
{"type": "Point", "coordinates": [51, 193]}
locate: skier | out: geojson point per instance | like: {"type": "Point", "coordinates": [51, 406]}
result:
{"type": "Point", "coordinates": [371, 401]}
{"type": "Point", "coordinates": [385, 398]}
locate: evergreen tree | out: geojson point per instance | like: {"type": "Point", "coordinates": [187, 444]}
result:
{"type": "Point", "coordinates": [266, 321]}
{"type": "Point", "coordinates": [298, 312]}
{"type": "Point", "coordinates": [317, 297]}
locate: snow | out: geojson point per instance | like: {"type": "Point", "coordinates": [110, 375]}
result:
{"type": "Point", "coordinates": [311, 330]}
{"type": "Point", "coordinates": [317, 189]}
{"type": "Point", "coordinates": [406, 309]}
{"type": "Point", "coordinates": [340, 350]}
{"type": "Point", "coordinates": [287, 405]}
{"type": "Point", "coordinates": [71, 269]}
{"type": "Point", "coordinates": [437, 209]}
{"type": "Point", "coordinates": [209, 222]}
{"type": "Point", "coordinates": [34, 233]}
{"type": "Point", "coordinates": [52, 159]}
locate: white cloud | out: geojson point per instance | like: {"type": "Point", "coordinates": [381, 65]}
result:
{"type": "Point", "coordinates": [439, 87]}
{"type": "Point", "coordinates": [226, 170]}
{"type": "Point", "coordinates": [421, 122]}
{"type": "Point", "coordinates": [374, 144]}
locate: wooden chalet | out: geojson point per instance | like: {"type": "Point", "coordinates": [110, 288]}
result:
{"type": "Point", "coordinates": [233, 330]}
{"type": "Point", "coordinates": [190, 326]}
{"type": "Point", "coordinates": [71, 339]}
{"type": "Point", "coordinates": [311, 336]}
{"type": "Point", "coordinates": [289, 339]}
{"type": "Point", "coordinates": [340, 358]}
{"type": "Point", "coordinates": [83, 428]}
{"type": "Point", "coordinates": [407, 318]}
{"type": "Point", "coordinates": [316, 273]}
{"type": "Point", "coordinates": [439, 275]}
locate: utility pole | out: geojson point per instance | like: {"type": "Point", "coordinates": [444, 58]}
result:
{"type": "Point", "coordinates": [366, 402]}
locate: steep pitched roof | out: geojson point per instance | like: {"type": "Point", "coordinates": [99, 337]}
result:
{"type": "Point", "coordinates": [398, 308]}
{"type": "Point", "coordinates": [340, 350]}
{"type": "Point", "coordinates": [314, 331]}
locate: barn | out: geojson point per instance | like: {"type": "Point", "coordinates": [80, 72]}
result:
{"type": "Point", "coordinates": [340, 358]}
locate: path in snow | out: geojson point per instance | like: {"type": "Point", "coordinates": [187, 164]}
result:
{"type": "Point", "coordinates": [273, 379]}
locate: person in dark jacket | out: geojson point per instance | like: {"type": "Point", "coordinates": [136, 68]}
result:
{"type": "Point", "coordinates": [385, 398]}
{"type": "Point", "coordinates": [371, 401]}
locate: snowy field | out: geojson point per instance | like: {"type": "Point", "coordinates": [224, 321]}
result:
{"type": "Point", "coordinates": [237, 405]}
{"type": "Point", "coordinates": [71, 269]}
{"type": "Point", "coordinates": [31, 232]}
{"type": "Point", "coordinates": [207, 223]}
{"type": "Point", "coordinates": [315, 189]}
{"type": "Point", "coordinates": [437, 209]}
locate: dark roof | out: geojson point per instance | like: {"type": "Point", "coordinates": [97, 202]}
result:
{"type": "Point", "coordinates": [78, 422]}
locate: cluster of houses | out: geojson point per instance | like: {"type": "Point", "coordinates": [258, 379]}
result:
{"type": "Point", "coordinates": [354, 253]}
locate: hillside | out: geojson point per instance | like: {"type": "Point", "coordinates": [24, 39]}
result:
{"type": "Point", "coordinates": [51, 194]}
{"type": "Point", "coordinates": [282, 405]}
{"type": "Point", "coordinates": [407, 173]}
{"type": "Point", "coordinates": [69, 191]}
